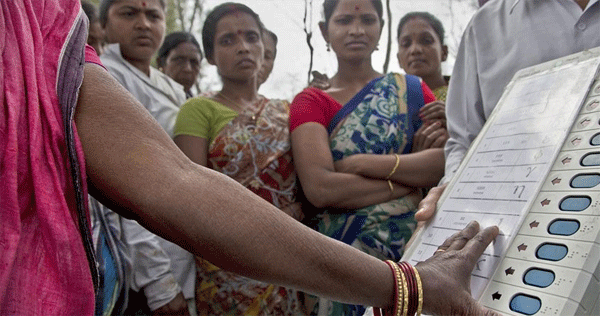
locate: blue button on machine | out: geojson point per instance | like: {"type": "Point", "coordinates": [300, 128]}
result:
{"type": "Point", "coordinates": [563, 227]}
{"type": "Point", "coordinates": [538, 277]}
{"type": "Point", "coordinates": [552, 252]}
{"type": "Point", "coordinates": [575, 203]}
{"type": "Point", "coordinates": [595, 141]}
{"type": "Point", "coordinates": [585, 180]}
{"type": "Point", "coordinates": [525, 304]}
{"type": "Point", "coordinates": [591, 159]}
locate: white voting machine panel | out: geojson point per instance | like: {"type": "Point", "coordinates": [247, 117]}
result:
{"type": "Point", "coordinates": [534, 171]}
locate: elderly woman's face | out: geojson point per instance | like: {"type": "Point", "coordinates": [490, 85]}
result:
{"type": "Point", "coordinates": [183, 64]}
{"type": "Point", "coordinates": [138, 26]}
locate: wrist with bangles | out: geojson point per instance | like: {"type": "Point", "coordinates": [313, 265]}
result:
{"type": "Point", "coordinates": [392, 173]}
{"type": "Point", "coordinates": [395, 167]}
{"type": "Point", "coordinates": [408, 291]}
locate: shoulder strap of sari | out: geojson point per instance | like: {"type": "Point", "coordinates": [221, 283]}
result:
{"type": "Point", "coordinates": [351, 105]}
{"type": "Point", "coordinates": [415, 101]}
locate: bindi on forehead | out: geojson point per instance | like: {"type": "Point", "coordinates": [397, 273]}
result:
{"type": "Point", "coordinates": [147, 4]}
{"type": "Point", "coordinates": [356, 7]}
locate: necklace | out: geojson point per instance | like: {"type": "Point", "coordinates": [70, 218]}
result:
{"type": "Point", "coordinates": [241, 107]}
{"type": "Point", "coordinates": [238, 106]}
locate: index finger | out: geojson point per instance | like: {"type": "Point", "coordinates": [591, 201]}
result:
{"type": "Point", "coordinates": [476, 245]}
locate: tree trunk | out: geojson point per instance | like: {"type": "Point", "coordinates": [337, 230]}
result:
{"type": "Point", "coordinates": [308, 31]}
{"type": "Point", "coordinates": [389, 42]}
{"type": "Point", "coordinates": [181, 16]}
{"type": "Point", "coordinates": [198, 8]}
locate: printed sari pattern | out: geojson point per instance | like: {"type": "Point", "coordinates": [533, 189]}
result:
{"type": "Point", "coordinates": [441, 93]}
{"type": "Point", "coordinates": [376, 121]}
{"type": "Point", "coordinates": [254, 149]}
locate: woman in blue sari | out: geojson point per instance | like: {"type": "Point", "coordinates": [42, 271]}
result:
{"type": "Point", "coordinates": [361, 151]}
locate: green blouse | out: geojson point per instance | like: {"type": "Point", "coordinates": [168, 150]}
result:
{"type": "Point", "coordinates": [203, 117]}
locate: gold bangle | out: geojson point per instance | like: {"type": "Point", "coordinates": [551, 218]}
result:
{"type": "Point", "coordinates": [402, 293]}
{"type": "Point", "coordinates": [391, 186]}
{"type": "Point", "coordinates": [405, 290]}
{"type": "Point", "coordinates": [395, 167]}
{"type": "Point", "coordinates": [397, 307]}
{"type": "Point", "coordinates": [420, 290]}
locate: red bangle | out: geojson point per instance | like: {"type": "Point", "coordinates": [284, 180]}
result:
{"type": "Point", "coordinates": [396, 292]}
{"type": "Point", "coordinates": [407, 291]}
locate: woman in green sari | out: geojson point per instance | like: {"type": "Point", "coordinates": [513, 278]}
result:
{"type": "Point", "coordinates": [243, 135]}
{"type": "Point", "coordinates": [354, 144]}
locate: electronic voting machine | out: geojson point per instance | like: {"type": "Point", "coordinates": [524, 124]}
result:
{"type": "Point", "coordinates": [534, 171]}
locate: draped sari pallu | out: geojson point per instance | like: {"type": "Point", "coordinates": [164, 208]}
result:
{"type": "Point", "coordinates": [381, 119]}
{"type": "Point", "coordinates": [253, 149]}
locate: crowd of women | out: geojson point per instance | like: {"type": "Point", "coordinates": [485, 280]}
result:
{"type": "Point", "coordinates": [351, 156]}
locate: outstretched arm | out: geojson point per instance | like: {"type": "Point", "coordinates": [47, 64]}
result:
{"type": "Point", "coordinates": [195, 148]}
{"type": "Point", "coordinates": [135, 166]}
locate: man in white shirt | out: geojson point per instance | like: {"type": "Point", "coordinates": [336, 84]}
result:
{"type": "Point", "coordinates": [504, 37]}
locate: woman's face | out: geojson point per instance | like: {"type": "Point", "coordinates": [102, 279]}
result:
{"type": "Point", "coordinates": [238, 51]}
{"type": "Point", "coordinates": [183, 64]}
{"type": "Point", "coordinates": [354, 29]}
{"type": "Point", "coordinates": [269, 58]}
{"type": "Point", "coordinates": [138, 26]}
{"type": "Point", "coordinates": [420, 51]}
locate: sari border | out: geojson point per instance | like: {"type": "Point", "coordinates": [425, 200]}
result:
{"type": "Point", "coordinates": [351, 105]}
{"type": "Point", "coordinates": [69, 78]}
{"type": "Point", "coordinates": [415, 100]}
